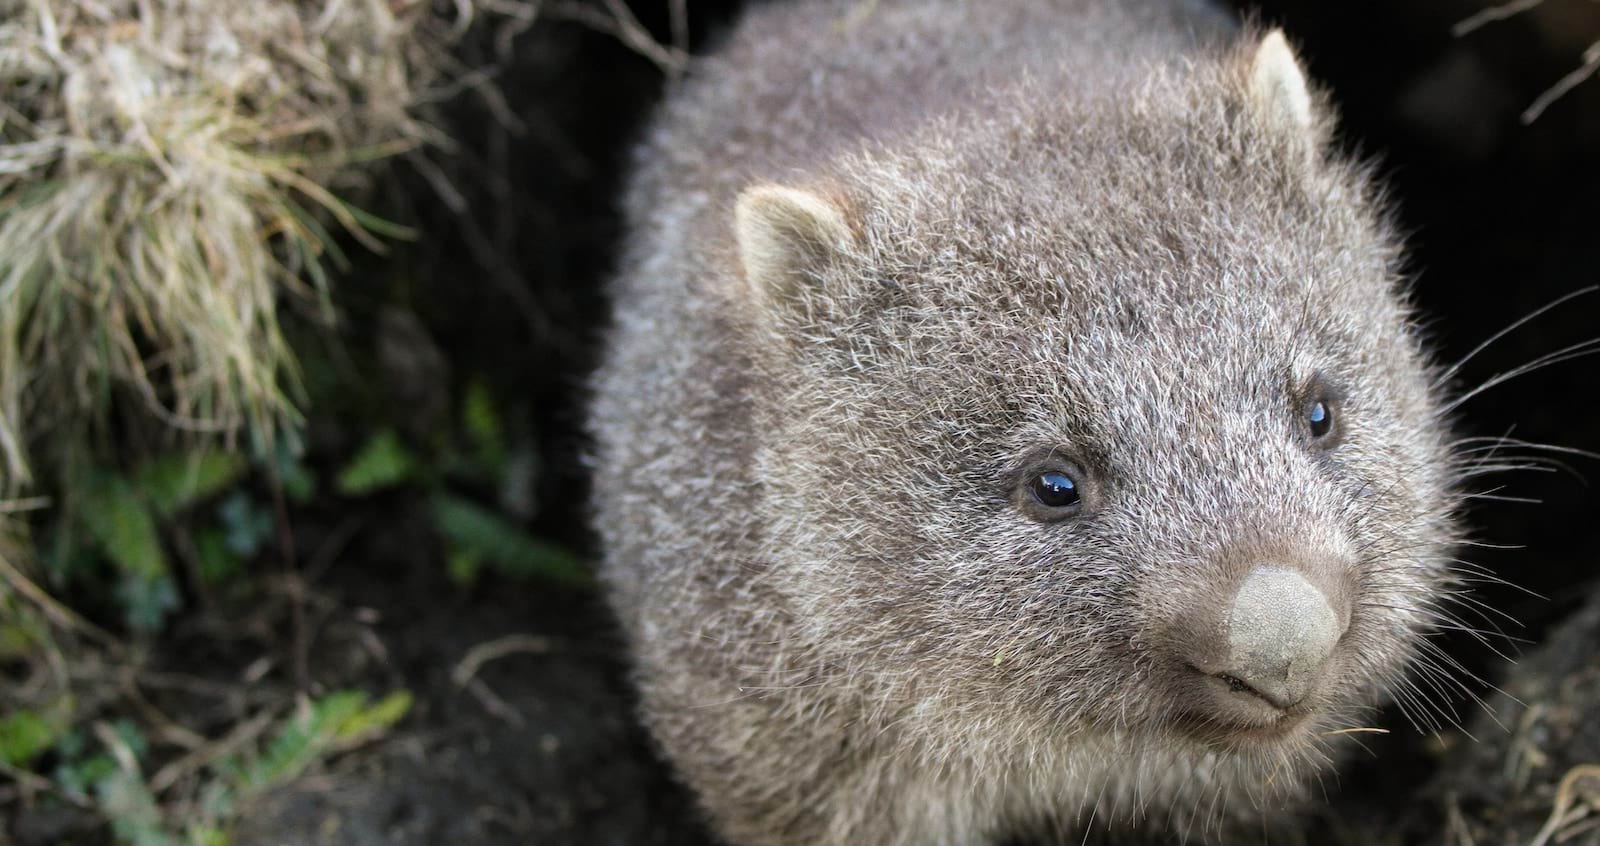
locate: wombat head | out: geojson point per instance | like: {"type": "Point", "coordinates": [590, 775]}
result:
{"type": "Point", "coordinates": [1101, 414]}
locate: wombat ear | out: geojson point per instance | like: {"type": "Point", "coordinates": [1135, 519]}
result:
{"type": "Point", "coordinates": [1278, 87]}
{"type": "Point", "coordinates": [784, 235]}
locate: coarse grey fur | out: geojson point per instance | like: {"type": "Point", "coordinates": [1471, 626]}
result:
{"type": "Point", "coordinates": [1014, 231]}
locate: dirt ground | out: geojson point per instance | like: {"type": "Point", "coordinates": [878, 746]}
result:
{"type": "Point", "coordinates": [539, 747]}
{"type": "Point", "coordinates": [1533, 774]}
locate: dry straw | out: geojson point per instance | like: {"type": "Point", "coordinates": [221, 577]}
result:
{"type": "Point", "coordinates": [168, 173]}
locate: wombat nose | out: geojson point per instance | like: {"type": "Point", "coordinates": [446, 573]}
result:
{"type": "Point", "coordinates": [1280, 631]}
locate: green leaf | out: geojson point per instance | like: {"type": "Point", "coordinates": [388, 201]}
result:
{"type": "Point", "coordinates": [72, 743]}
{"type": "Point", "coordinates": [66, 551]}
{"type": "Point", "coordinates": [128, 734]}
{"type": "Point", "coordinates": [481, 421]}
{"type": "Point", "coordinates": [146, 602]}
{"type": "Point", "coordinates": [123, 527]}
{"type": "Point", "coordinates": [246, 525]}
{"type": "Point", "coordinates": [24, 735]}
{"type": "Point", "coordinates": [124, 797]}
{"type": "Point", "coordinates": [208, 835]}
{"type": "Point", "coordinates": [79, 777]}
{"type": "Point", "coordinates": [299, 482]}
{"type": "Point", "coordinates": [383, 462]}
{"type": "Point", "coordinates": [379, 717]}
{"type": "Point", "coordinates": [22, 631]}
{"type": "Point", "coordinates": [171, 483]}
{"type": "Point", "coordinates": [339, 717]}
{"type": "Point", "coordinates": [464, 566]}
{"type": "Point", "coordinates": [470, 529]}
{"type": "Point", "coordinates": [296, 745]}
{"type": "Point", "coordinates": [135, 818]}
{"type": "Point", "coordinates": [215, 559]}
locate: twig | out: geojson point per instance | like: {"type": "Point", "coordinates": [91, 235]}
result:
{"type": "Point", "coordinates": [483, 653]}
{"type": "Point", "coordinates": [296, 585]}
{"type": "Point", "coordinates": [170, 730]}
{"type": "Point", "coordinates": [1492, 14]}
{"type": "Point", "coordinates": [61, 615]}
{"type": "Point", "coordinates": [617, 21]}
{"type": "Point", "coordinates": [188, 684]}
{"type": "Point", "coordinates": [521, 16]}
{"type": "Point", "coordinates": [1591, 55]}
{"type": "Point", "coordinates": [118, 747]}
{"type": "Point", "coordinates": [241, 734]}
{"type": "Point", "coordinates": [17, 506]}
{"type": "Point", "coordinates": [1460, 833]}
{"type": "Point", "coordinates": [1572, 831]}
{"type": "Point", "coordinates": [1591, 63]}
{"type": "Point", "coordinates": [494, 704]}
{"type": "Point", "coordinates": [678, 13]}
{"type": "Point", "coordinates": [1559, 812]}
{"type": "Point", "coordinates": [35, 782]}
{"type": "Point", "coordinates": [332, 547]}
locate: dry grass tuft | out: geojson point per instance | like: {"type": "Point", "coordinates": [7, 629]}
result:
{"type": "Point", "coordinates": [168, 169]}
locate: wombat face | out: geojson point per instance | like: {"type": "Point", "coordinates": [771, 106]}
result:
{"type": "Point", "coordinates": [1111, 422]}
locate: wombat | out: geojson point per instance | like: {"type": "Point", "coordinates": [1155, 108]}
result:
{"type": "Point", "coordinates": [1013, 421]}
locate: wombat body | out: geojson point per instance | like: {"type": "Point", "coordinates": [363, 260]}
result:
{"type": "Point", "coordinates": [1011, 423]}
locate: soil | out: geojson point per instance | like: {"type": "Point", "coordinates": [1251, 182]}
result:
{"type": "Point", "coordinates": [1537, 749]}
{"type": "Point", "coordinates": [540, 747]}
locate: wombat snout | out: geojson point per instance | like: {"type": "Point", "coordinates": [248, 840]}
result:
{"type": "Point", "coordinates": [1270, 641]}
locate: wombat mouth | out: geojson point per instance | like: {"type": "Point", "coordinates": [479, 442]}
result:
{"type": "Point", "coordinates": [1213, 732]}
{"type": "Point", "coordinates": [1238, 713]}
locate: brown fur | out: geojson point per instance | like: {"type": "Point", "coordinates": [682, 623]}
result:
{"type": "Point", "coordinates": [1062, 228]}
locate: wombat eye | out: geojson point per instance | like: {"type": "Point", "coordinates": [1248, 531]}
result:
{"type": "Point", "coordinates": [1319, 418]}
{"type": "Point", "coordinates": [1055, 490]}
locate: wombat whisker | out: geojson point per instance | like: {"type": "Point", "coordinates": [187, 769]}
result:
{"type": "Point", "coordinates": [1487, 469]}
{"type": "Point", "coordinates": [1457, 624]}
{"type": "Point", "coordinates": [1492, 459]}
{"type": "Point", "coordinates": [1212, 821]}
{"type": "Point", "coordinates": [1439, 619]}
{"type": "Point", "coordinates": [1569, 353]}
{"type": "Point", "coordinates": [1468, 602]}
{"type": "Point", "coordinates": [1493, 629]}
{"type": "Point", "coordinates": [1468, 459]}
{"type": "Point", "coordinates": [1439, 655]}
{"type": "Point", "coordinates": [1447, 715]}
{"type": "Point", "coordinates": [1469, 466]}
{"type": "Point", "coordinates": [1492, 625]}
{"type": "Point", "coordinates": [1444, 710]}
{"type": "Point", "coordinates": [1322, 784]}
{"type": "Point", "coordinates": [1498, 441]}
{"type": "Point", "coordinates": [1439, 680]}
{"type": "Point", "coordinates": [1405, 693]}
{"type": "Point", "coordinates": [1480, 573]}
{"type": "Point", "coordinates": [1451, 371]}
{"type": "Point", "coordinates": [1325, 750]}
{"type": "Point", "coordinates": [1444, 623]}
{"type": "Point", "coordinates": [1491, 496]}
{"type": "Point", "coordinates": [1355, 730]}
{"type": "Point", "coordinates": [1468, 462]}
{"type": "Point", "coordinates": [1478, 544]}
